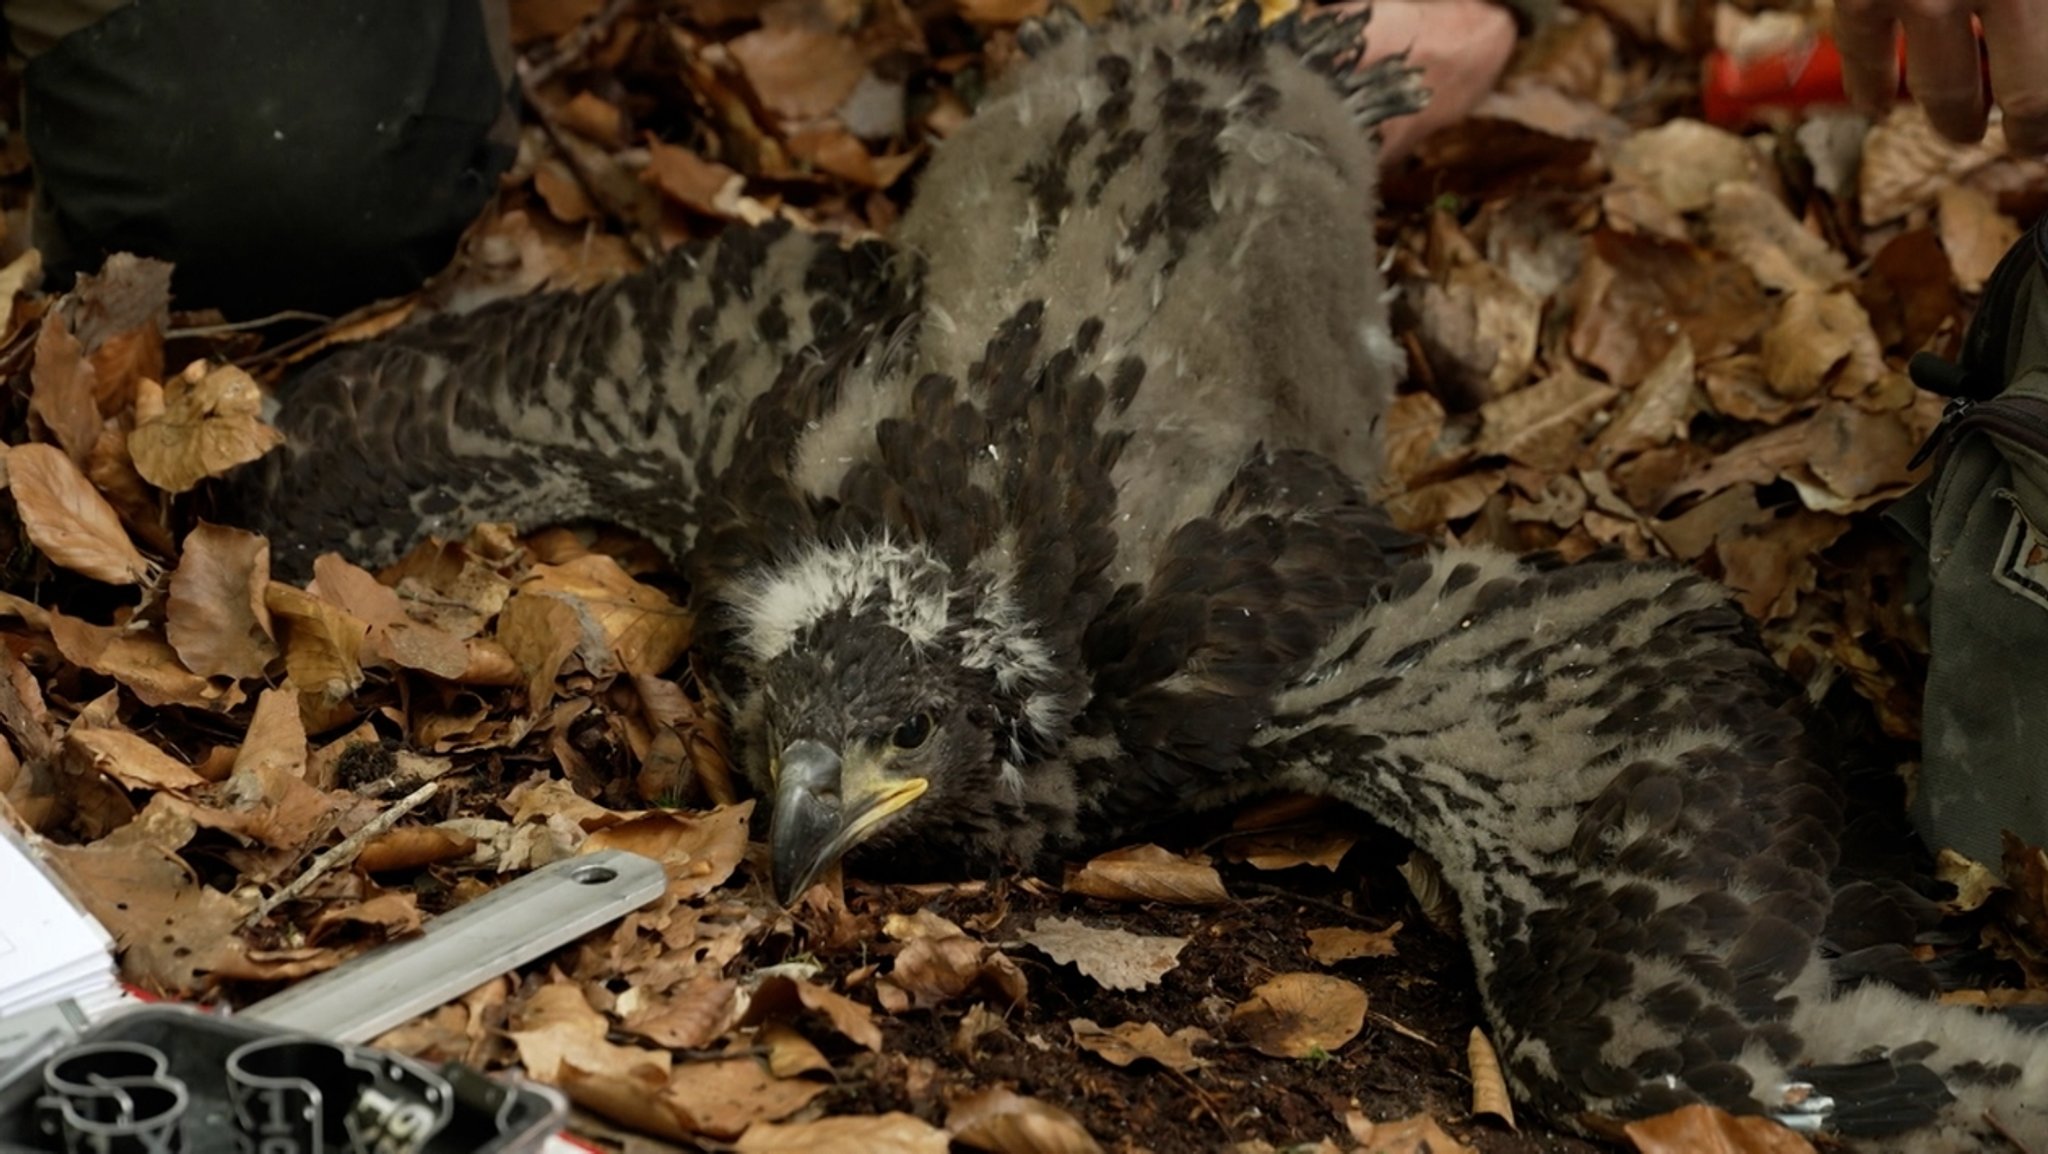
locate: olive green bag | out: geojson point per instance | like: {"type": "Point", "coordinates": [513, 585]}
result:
{"type": "Point", "coordinates": [1980, 523]}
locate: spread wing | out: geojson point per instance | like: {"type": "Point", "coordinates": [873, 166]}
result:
{"type": "Point", "coordinates": [622, 403]}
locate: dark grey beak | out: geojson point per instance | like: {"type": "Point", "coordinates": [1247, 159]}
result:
{"type": "Point", "coordinates": [824, 807]}
{"type": "Point", "coordinates": [807, 819]}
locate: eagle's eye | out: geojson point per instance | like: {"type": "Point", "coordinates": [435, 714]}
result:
{"type": "Point", "coordinates": [913, 732]}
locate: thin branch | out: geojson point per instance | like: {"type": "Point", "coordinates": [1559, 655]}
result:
{"type": "Point", "coordinates": [344, 852]}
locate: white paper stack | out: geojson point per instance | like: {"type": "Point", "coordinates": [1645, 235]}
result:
{"type": "Point", "coordinates": [56, 960]}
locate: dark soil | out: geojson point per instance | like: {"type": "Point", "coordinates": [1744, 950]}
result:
{"type": "Point", "coordinates": [1241, 1095]}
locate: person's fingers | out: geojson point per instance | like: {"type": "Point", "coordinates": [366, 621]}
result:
{"type": "Point", "coordinates": [1943, 68]}
{"type": "Point", "coordinates": [1867, 33]}
{"type": "Point", "coordinates": [2016, 33]}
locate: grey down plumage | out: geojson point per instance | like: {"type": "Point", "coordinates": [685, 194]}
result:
{"type": "Point", "coordinates": [1050, 518]}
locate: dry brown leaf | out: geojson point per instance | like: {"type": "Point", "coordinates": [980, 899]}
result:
{"type": "Point", "coordinates": [1640, 294]}
{"type": "Point", "coordinates": [1287, 849]}
{"type": "Point", "coordinates": [1735, 387]}
{"type": "Point", "coordinates": [393, 634]}
{"type": "Point", "coordinates": [722, 1098]}
{"type": "Point", "coordinates": [540, 633]}
{"type": "Point", "coordinates": [1685, 161]}
{"type": "Point", "coordinates": [1489, 1085]}
{"type": "Point", "coordinates": [1116, 959]}
{"type": "Point", "coordinates": [1543, 426]}
{"type": "Point", "coordinates": [691, 181]}
{"type": "Point", "coordinates": [322, 645]}
{"type": "Point", "coordinates": [790, 1054]}
{"type": "Point", "coordinates": [1657, 411]}
{"type": "Point", "coordinates": [211, 423]}
{"type": "Point", "coordinates": [131, 760]}
{"type": "Point", "coordinates": [1906, 163]}
{"type": "Point", "coordinates": [778, 997]}
{"type": "Point", "coordinates": [1300, 1015]}
{"type": "Point", "coordinates": [215, 618]}
{"type": "Point", "coordinates": [1819, 340]}
{"type": "Point", "coordinates": [142, 661]}
{"type": "Point", "coordinates": [170, 928]}
{"type": "Point", "coordinates": [1132, 1041]}
{"type": "Point", "coordinates": [932, 971]}
{"type": "Point", "coordinates": [1479, 330]}
{"type": "Point", "coordinates": [1426, 508]}
{"type": "Point", "coordinates": [1413, 424]}
{"type": "Point", "coordinates": [891, 1133]}
{"type": "Point", "coordinates": [1974, 234]}
{"type": "Point", "coordinates": [699, 851]}
{"type": "Point", "coordinates": [1342, 943]}
{"type": "Point", "coordinates": [1148, 873]}
{"type": "Point", "coordinates": [63, 388]}
{"type": "Point", "coordinates": [1750, 224]}
{"type": "Point", "coordinates": [412, 847]}
{"type": "Point", "coordinates": [393, 914]}
{"type": "Point", "coordinates": [637, 622]}
{"type": "Point", "coordinates": [1706, 1130]}
{"type": "Point", "coordinates": [562, 1041]}
{"type": "Point", "coordinates": [68, 519]}
{"type": "Point", "coordinates": [1420, 1134]}
{"type": "Point", "coordinates": [1003, 1122]}
{"type": "Point", "coordinates": [595, 118]}
{"type": "Point", "coordinates": [799, 71]}
{"type": "Point", "coordinates": [1770, 564]}
{"type": "Point", "coordinates": [1974, 882]}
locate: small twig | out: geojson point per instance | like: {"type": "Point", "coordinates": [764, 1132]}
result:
{"type": "Point", "coordinates": [1285, 894]}
{"type": "Point", "coordinates": [245, 326]}
{"type": "Point", "coordinates": [1209, 1104]}
{"type": "Point", "coordinates": [346, 851]}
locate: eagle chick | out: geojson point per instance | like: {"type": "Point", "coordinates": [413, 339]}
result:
{"type": "Point", "coordinates": [1051, 519]}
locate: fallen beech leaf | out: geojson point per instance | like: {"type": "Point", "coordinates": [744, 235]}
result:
{"type": "Point", "coordinates": [1417, 1135]}
{"type": "Point", "coordinates": [591, 115]}
{"type": "Point", "coordinates": [394, 913]}
{"type": "Point", "coordinates": [171, 929]}
{"type": "Point", "coordinates": [1771, 563]}
{"type": "Point", "coordinates": [1543, 426]}
{"type": "Point", "coordinates": [394, 635]}
{"type": "Point", "coordinates": [1148, 873]}
{"type": "Point", "coordinates": [932, 971]}
{"type": "Point", "coordinates": [1003, 1122]}
{"type": "Point", "coordinates": [1657, 411]}
{"type": "Point", "coordinates": [210, 424]}
{"type": "Point", "coordinates": [1132, 1041]}
{"type": "Point", "coordinates": [21, 272]}
{"type": "Point", "coordinates": [891, 1133]}
{"type": "Point", "coordinates": [562, 1041]}
{"type": "Point", "coordinates": [411, 847]}
{"type": "Point", "coordinates": [322, 644]}
{"type": "Point", "coordinates": [62, 387]}
{"type": "Point", "coordinates": [1429, 507]}
{"type": "Point", "coordinates": [1413, 424]}
{"type": "Point", "coordinates": [722, 1098]}
{"type": "Point", "coordinates": [1116, 959]}
{"type": "Point", "coordinates": [2026, 874]}
{"type": "Point", "coordinates": [777, 997]}
{"type": "Point", "coordinates": [1817, 338]}
{"type": "Point", "coordinates": [215, 618]}
{"type": "Point", "coordinates": [1752, 225]}
{"type": "Point", "coordinates": [1706, 1130]}
{"type": "Point", "coordinates": [1300, 1015]}
{"type": "Point", "coordinates": [699, 851]}
{"type": "Point", "coordinates": [1685, 161]}
{"type": "Point", "coordinates": [690, 180]}
{"type": "Point", "coordinates": [68, 519]}
{"type": "Point", "coordinates": [143, 662]}
{"type": "Point", "coordinates": [1342, 943]}
{"type": "Point", "coordinates": [790, 1053]}
{"type": "Point", "coordinates": [638, 622]}
{"type": "Point", "coordinates": [1974, 882]}
{"type": "Point", "coordinates": [1639, 294]}
{"type": "Point", "coordinates": [1974, 234]}
{"type": "Point", "coordinates": [1489, 1085]}
{"type": "Point", "coordinates": [799, 71]}
{"type": "Point", "coordinates": [1287, 849]}
{"type": "Point", "coordinates": [131, 760]}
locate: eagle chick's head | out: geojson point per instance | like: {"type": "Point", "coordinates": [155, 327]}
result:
{"type": "Point", "coordinates": [890, 702]}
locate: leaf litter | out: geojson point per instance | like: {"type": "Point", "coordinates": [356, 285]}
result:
{"type": "Point", "coordinates": [1628, 329]}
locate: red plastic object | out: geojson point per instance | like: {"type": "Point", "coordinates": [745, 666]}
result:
{"type": "Point", "coordinates": [1735, 92]}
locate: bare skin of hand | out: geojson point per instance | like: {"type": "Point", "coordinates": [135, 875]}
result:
{"type": "Point", "coordinates": [1942, 67]}
{"type": "Point", "coordinates": [1461, 46]}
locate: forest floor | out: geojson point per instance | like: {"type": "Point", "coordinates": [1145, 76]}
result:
{"type": "Point", "coordinates": [1627, 327]}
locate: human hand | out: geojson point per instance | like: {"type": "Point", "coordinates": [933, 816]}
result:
{"type": "Point", "coordinates": [1461, 46]}
{"type": "Point", "coordinates": [1942, 62]}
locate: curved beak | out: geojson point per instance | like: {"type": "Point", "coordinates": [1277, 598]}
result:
{"type": "Point", "coordinates": [824, 807]}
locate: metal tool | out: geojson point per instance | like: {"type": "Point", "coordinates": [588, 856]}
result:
{"type": "Point", "coordinates": [461, 950]}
